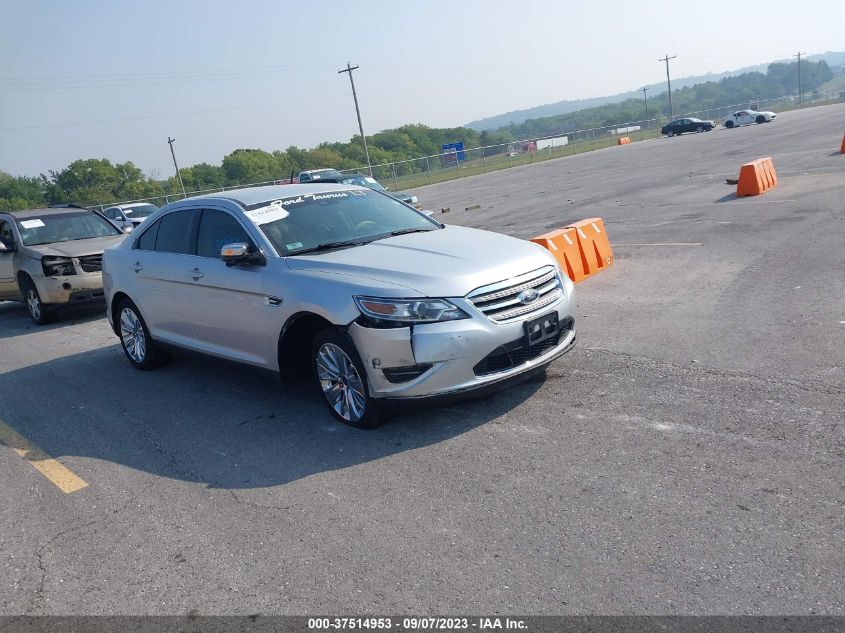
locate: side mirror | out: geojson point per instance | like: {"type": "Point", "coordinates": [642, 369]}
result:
{"type": "Point", "coordinates": [427, 212]}
{"type": "Point", "coordinates": [128, 228]}
{"type": "Point", "coordinates": [6, 249]}
{"type": "Point", "coordinates": [241, 253]}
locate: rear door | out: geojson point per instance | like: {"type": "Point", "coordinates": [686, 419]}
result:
{"type": "Point", "coordinates": [159, 263]}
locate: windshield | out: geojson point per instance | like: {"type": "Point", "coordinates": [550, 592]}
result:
{"type": "Point", "coordinates": [334, 219]}
{"type": "Point", "coordinates": [363, 181]}
{"type": "Point", "coordinates": [64, 227]}
{"type": "Point", "coordinates": [139, 211]}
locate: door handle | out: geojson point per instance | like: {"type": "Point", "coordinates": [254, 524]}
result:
{"type": "Point", "coordinates": [197, 274]}
{"type": "Point", "coordinates": [137, 267]}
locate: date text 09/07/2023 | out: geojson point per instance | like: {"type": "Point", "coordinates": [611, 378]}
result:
{"type": "Point", "coordinates": [416, 623]}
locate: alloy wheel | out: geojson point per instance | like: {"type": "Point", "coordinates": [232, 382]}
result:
{"type": "Point", "coordinates": [341, 384]}
{"type": "Point", "coordinates": [132, 335]}
{"type": "Point", "coordinates": [33, 303]}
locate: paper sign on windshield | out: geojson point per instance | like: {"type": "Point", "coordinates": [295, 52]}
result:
{"type": "Point", "coordinates": [270, 213]}
{"type": "Point", "coordinates": [31, 224]}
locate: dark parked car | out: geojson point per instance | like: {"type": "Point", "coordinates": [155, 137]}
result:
{"type": "Point", "coordinates": [686, 125]}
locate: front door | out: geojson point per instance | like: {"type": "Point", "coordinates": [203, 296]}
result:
{"type": "Point", "coordinates": [8, 285]}
{"type": "Point", "coordinates": [231, 316]}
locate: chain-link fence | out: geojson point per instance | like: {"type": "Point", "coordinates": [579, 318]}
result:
{"type": "Point", "coordinates": [427, 170]}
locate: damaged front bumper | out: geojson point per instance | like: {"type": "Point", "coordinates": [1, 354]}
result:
{"type": "Point", "coordinates": [439, 359]}
{"type": "Point", "coordinates": [71, 289]}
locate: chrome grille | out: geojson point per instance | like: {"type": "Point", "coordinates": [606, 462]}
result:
{"type": "Point", "coordinates": [91, 263]}
{"type": "Point", "coordinates": [500, 302]}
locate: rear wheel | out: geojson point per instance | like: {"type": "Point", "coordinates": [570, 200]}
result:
{"type": "Point", "coordinates": [38, 312]}
{"type": "Point", "coordinates": [135, 338]}
{"type": "Point", "coordinates": [342, 379]}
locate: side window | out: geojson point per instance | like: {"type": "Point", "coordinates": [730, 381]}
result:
{"type": "Point", "coordinates": [6, 235]}
{"type": "Point", "coordinates": [174, 232]}
{"type": "Point", "coordinates": [218, 228]}
{"type": "Point", "coordinates": [111, 214]}
{"type": "Point", "coordinates": [147, 241]}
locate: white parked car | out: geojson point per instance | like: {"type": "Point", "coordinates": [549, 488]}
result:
{"type": "Point", "coordinates": [746, 117]}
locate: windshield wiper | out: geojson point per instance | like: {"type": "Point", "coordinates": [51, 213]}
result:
{"type": "Point", "coordinates": [416, 230]}
{"type": "Point", "coordinates": [330, 245]}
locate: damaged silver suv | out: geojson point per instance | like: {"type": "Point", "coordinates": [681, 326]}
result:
{"type": "Point", "coordinates": [373, 299]}
{"type": "Point", "coordinates": [52, 258]}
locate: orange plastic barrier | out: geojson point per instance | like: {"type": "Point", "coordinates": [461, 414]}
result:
{"type": "Point", "coordinates": [623, 140]}
{"type": "Point", "coordinates": [596, 254]}
{"type": "Point", "coordinates": [756, 177]}
{"type": "Point", "coordinates": [842, 150]}
{"type": "Point", "coordinates": [563, 244]}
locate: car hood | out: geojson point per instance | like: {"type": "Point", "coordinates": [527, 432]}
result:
{"type": "Point", "coordinates": [450, 262]}
{"type": "Point", "coordinates": [76, 248]}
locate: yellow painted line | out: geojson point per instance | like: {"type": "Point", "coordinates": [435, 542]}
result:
{"type": "Point", "coordinates": [62, 477]}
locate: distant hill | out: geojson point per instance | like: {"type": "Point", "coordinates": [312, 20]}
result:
{"type": "Point", "coordinates": [564, 107]}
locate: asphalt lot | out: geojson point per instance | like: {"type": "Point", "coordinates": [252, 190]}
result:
{"type": "Point", "coordinates": [686, 458]}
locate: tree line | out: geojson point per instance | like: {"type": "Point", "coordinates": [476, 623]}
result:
{"type": "Point", "coordinates": [98, 181]}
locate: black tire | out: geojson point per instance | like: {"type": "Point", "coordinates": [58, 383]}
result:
{"type": "Point", "coordinates": [729, 124]}
{"type": "Point", "coordinates": [760, 119]}
{"type": "Point", "coordinates": [699, 129]}
{"type": "Point", "coordinates": [38, 311]}
{"type": "Point", "coordinates": [670, 133]}
{"type": "Point", "coordinates": [342, 380]}
{"type": "Point", "coordinates": [132, 331]}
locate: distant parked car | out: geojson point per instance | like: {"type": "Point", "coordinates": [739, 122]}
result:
{"type": "Point", "coordinates": [363, 180]}
{"type": "Point", "coordinates": [746, 117]}
{"type": "Point", "coordinates": [51, 258]}
{"type": "Point", "coordinates": [686, 125]}
{"type": "Point", "coordinates": [319, 175]}
{"type": "Point", "coordinates": [129, 215]}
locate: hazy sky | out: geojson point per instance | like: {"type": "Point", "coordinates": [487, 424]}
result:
{"type": "Point", "coordinates": [112, 79]}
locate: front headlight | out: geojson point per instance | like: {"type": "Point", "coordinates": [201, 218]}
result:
{"type": "Point", "coordinates": [57, 266]}
{"type": "Point", "coordinates": [409, 310]}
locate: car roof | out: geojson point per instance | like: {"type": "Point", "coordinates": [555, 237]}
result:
{"type": "Point", "coordinates": [129, 205]}
{"type": "Point", "coordinates": [40, 213]}
{"type": "Point", "coordinates": [249, 196]}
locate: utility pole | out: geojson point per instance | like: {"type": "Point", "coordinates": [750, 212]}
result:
{"type": "Point", "coordinates": [349, 70]}
{"type": "Point", "coordinates": [669, 83]}
{"type": "Point", "coordinates": [172, 153]}
{"type": "Point", "coordinates": [800, 91]}
{"type": "Point", "coordinates": [645, 100]}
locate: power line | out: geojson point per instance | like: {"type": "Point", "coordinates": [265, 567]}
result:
{"type": "Point", "coordinates": [669, 82]}
{"type": "Point", "coordinates": [349, 70]}
{"type": "Point", "coordinates": [152, 116]}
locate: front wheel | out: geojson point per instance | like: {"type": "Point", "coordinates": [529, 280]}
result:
{"type": "Point", "coordinates": [729, 124]}
{"type": "Point", "coordinates": [670, 133]}
{"type": "Point", "coordinates": [135, 338]}
{"type": "Point", "coordinates": [38, 312]}
{"type": "Point", "coordinates": [699, 129]}
{"type": "Point", "coordinates": [760, 119]}
{"type": "Point", "coordinates": [342, 379]}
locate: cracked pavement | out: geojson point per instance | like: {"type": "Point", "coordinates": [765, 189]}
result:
{"type": "Point", "coordinates": [686, 457]}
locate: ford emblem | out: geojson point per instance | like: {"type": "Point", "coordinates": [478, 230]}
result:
{"type": "Point", "coordinates": [528, 296]}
